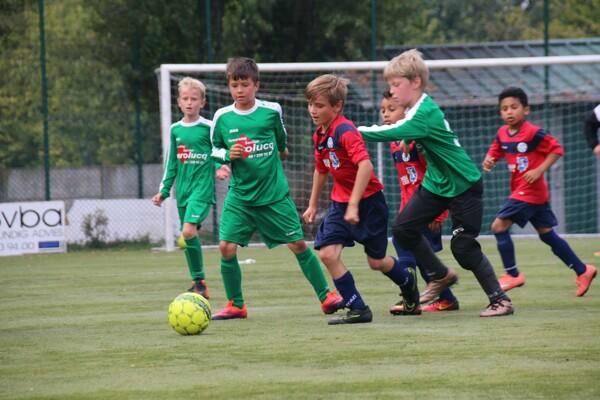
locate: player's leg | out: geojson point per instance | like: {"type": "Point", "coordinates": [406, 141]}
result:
{"type": "Point", "coordinates": [543, 221]}
{"type": "Point", "coordinates": [280, 224]}
{"type": "Point", "coordinates": [422, 208]}
{"type": "Point", "coordinates": [235, 229]}
{"type": "Point", "coordinates": [466, 211]}
{"type": "Point", "coordinates": [512, 211]}
{"type": "Point", "coordinates": [371, 232]}
{"type": "Point", "coordinates": [195, 213]}
{"type": "Point", "coordinates": [446, 301]}
{"type": "Point", "coordinates": [332, 236]}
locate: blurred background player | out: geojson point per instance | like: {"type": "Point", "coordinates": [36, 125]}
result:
{"type": "Point", "coordinates": [251, 136]}
{"type": "Point", "coordinates": [358, 211]}
{"type": "Point", "coordinates": [452, 182]}
{"type": "Point", "coordinates": [590, 130]}
{"type": "Point", "coordinates": [529, 152]}
{"type": "Point", "coordinates": [410, 166]}
{"type": "Point", "coordinates": [190, 164]}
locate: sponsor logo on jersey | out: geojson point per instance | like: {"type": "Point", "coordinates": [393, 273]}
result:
{"type": "Point", "coordinates": [251, 147]}
{"type": "Point", "coordinates": [404, 180]}
{"type": "Point", "coordinates": [335, 161]}
{"type": "Point", "coordinates": [522, 163]}
{"type": "Point", "coordinates": [234, 130]}
{"type": "Point", "coordinates": [184, 155]}
{"type": "Point", "coordinates": [412, 174]}
{"type": "Point", "coordinates": [522, 147]}
{"type": "Point", "coordinates": [326, 162]}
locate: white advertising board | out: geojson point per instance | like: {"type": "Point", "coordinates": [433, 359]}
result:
{"type": "Point", "coordinates": [32, 227]}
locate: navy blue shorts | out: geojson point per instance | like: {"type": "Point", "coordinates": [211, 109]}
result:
{"type": "Point", "coordinates": [520, 212]}
{"type": "Point", "coordinates": [371, 231]}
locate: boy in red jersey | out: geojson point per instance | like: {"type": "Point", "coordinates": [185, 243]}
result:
{"type": "Point", "coordinates": [358, 211]}
{"type": "Point", "coordinates": [529, 152]}
{"type": "Point", "coordinates": [410, 166]}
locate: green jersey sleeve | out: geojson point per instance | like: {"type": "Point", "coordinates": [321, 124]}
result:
{"type": "Point", "coordinates": [450, 170]}
{"type": "Point", "coordinates": [170, 168]}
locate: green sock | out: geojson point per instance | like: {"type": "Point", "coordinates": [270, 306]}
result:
{"type": "Point", "coordinates": [311, 268]}
{"type": "Point", "coordinates": [232, 280]}
{"type": "Point", "coordinates": [193, 255]}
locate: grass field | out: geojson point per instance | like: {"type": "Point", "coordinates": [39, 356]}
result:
{"type": "Point", "coordinates": [93, 325]}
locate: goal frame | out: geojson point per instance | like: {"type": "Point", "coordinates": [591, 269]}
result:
{"type": "Point", "coordinates": [165, 102]}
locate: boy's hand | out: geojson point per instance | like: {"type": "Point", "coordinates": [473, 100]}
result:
{"type": "Point", "coordinates": [223, 172]}
{"type": "Point", "coordinates": [435, 226]}
{"type": "Point", "coordinates": [236, 151]}
{"type": "Point", "coordinates": [284, 154]}
{"type": "Point", "coordinates": [351, 215]}
{"type": "Point", "coordinates": [405, 147]}
{"type": "Point", "coordinates": [597, 150]}
{"type": "Point", "coordinates": [157, 199]}
{"type": "Point", "coordinates": [532, 176]}
{"type": "Point", "coordinates": [309, 215]}
{"type": "Point", "coordinates": [488, 163]}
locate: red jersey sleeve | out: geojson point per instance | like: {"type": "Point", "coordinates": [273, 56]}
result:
{"type": "Point", "coordinates": [549, 145]}
{"type": "Point", "coordinates": [495, 151]}
{"type": "Point", "coordinates": [355, 146]}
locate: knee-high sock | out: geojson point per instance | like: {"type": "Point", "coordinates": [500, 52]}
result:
{"type": "Point", "coordinates": [193, 255]}
{"type": "Point", "coordinates": [345, 285]}
{"type": "Point", "coordinates": [484, 272]}
{"type": "Point", "coordinates": [506, 248]}
{"type": "Point", "coordinates": [561, 248]}
{"type": "Point", "coordinates": [401, 276]}
{"type": "Point", "coordinates": [232, 280]}
{"type": "Point", "coordinates": [311, 268]}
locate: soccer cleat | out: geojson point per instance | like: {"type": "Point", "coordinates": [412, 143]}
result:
{"type": "Point", "coordinates": [508, 281]}
{"type": "Point", "coordinates": [584, 280]}
{"type": "Point", "coordinates": [498, 308]}
{"type": "Point", "coordinates": [597, 254]}
{"type": "Point", "coordinates": [332, 303]}
{"type": "Point", "coordinates": [200, 287]}
{"type": "Point", "coordinates": [434, 288]}
{"type": "Point", "coordinates": [231, 312]}
{"type": "Point", "coordinates": [409, 305]}
{"type": "Point", "coordinates": [441, 305]}
{"type": "Point", "coordinates": [353, 317]}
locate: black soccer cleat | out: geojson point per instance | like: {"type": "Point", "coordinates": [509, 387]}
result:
{"type": "Point", "coordinates": [354, 316]}
{"type": "Point", "coordinates": [200, 287]}
{"type": "Point", "coordinates": [410, 297]}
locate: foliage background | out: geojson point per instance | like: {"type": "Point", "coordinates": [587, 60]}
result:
{"type": "Point", "coordinates": [101, 56]}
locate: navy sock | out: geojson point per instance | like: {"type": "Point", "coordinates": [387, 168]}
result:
{"type": "Point", "coordinates": [561, 248]}
{"type": "Point", "coordinates": [352, 299]}
{"type": "Point", "coordinates": [400, 275]}
{"type": "Point", "coordinates": [507, 252]}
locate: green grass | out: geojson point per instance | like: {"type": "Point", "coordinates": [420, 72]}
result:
{"type": "Point", "coordinates": [92, 325]}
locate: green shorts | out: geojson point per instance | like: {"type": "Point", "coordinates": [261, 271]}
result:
{"type": "Point", "coordinates": [194, 212]}
{"type": "Point", "coordinates": [278, 223]}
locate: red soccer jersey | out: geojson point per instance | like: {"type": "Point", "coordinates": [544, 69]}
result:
{"type": "Point", "coordinates": [411, 167]}
{"type": "Point", "coordinates": [338, 151]}
{"type": "Point", "coordinates": [525, 150]}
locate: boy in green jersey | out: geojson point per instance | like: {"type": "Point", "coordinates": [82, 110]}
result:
{"type": "Point", "coordinates": [452, 181]}
{"type": "Point", "coordinates": [251, 136]}
{"type": "Point", "coordinates": [189, 162]}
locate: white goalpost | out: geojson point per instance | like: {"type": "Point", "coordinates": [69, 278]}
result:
{"type": "Point", "coordinates": [559, 88]}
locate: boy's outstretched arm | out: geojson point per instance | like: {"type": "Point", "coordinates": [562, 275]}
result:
{"type": "Point", "coordinates": [534, 174]}
{"type": "Point", "coordinates": [363, 175]}
{"type": "Point", "coordinates": [319, 181]}
{"type": "Point", "coordinates": [488, 163]}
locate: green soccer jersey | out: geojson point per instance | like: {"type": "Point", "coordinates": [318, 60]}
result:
{"type": "Point", "coordinates": [257, 178]}
{"type": "Point", "coordinates": [450, 171]}
{"type": "Point", "coordinates": [189, 163]}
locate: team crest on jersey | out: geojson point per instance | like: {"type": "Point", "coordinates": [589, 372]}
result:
{"type": "Point", "coordinates": [412, 174]}
{"type": "Point", "coordinates": [522, 163]}
{"type": "Point", "coordinates": [330, 143]}
{"type": "Point", "coordinates": [335, 161]}
{"type": "Point", "coordinates": [522, 147]}
{"type": "Point", "coordinates": [405, 157]}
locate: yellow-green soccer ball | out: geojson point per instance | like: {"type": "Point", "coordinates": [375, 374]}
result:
{"type": "Point", "coordinates": [181, 242]}
{"type": "Point", "coordinates": [189, 313]}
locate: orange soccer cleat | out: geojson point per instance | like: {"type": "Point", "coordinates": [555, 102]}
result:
{"type": "Point", "coordinates": [584, 280]}
{"type": "Point", "coordinates": [441, 305]}
{"type": "Point", "coordinates": [332, 303]}
{"type": "Point", "coordinates": [231, 312]}
{"type": "Point", "coordinates": [508, 282]}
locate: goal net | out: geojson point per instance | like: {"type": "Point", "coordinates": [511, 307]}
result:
{"type": "Point", "coordinates": [561, 90]}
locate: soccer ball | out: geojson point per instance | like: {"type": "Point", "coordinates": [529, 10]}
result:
{"type": "Point", "coordinates": [189, 313]}
{"type": "Point", "coordinates": [181, 242]}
